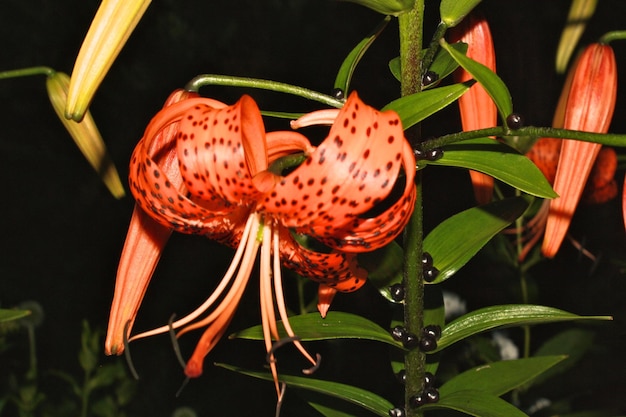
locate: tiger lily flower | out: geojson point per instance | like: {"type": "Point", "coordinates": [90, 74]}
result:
{"type": "Point", "coordinates": [113, 24]}
{"type": "Point", "coordinates": [206, 168]}
{"type": "Point", "coordinates": [477, 109]}
{"type": "Point", "coordinates": [590, 103]}
{"type": "Point", "coordinates": [85, 134]}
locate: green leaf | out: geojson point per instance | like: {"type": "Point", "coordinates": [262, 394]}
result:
{"type": "Point", "coordinates": [475, 403]}
{"type": "Point", "coordinates": [329, 411]}
{"type": "Point", "coordinates": [416, 107]}
{"type": "Point", "coordinates": [493, 84]}
{"type": "Point", "coordinates": [443, 64]}
{"type": "Point", "coordinates": [498, 160]}
{"type": "Point", "coordinates": [504, 316]}
{"type": "Point", "coordinates": [573, 343]}
{"type": "Point", "coordinates": [457, 239]}
{"type": "Point", "coordinates": [498, 378]}
{"type": "Point", "coordinates": [453, 11]}
{"type": "Point", "coordinates": [365, 399]}
{"type": "Point", "coordinates": [336, 325]}
{"type": "Point", "coordinates": [384, 267]}
{"type": "Point", "coordinates": [388, 7]}
{"type": "Point", "coordinates": [9, 314]}
{"type": "Point", "coordinates": [344, 75]}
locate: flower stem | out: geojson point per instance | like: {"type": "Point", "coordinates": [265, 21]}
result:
{"type": "Point", "coordinates": [227, 80]}
{"type": "Point", "coordinates": [26, 72]}
{"type": "Point", "coordinates": [411, 35]}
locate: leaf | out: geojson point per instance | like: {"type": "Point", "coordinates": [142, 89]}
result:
{"type": "Point", "coordinates": [493, 84]}
{"type": "Point", "coordinates": [498, 378]}
{"type": "Point", "coordinates": [328, 411]}
{"type": "Point", "coordinates": [416, 107]}
{"type": "Point", "coordinates": [475, 403]}
{"type": "Point", "coordinates": [453, 11]}
{"type": "Point", "coordinates": [573, 343]}
{"type": "Point", "coordinates": [457, 239]}
{"type": "Point", "coordinates": [498, 160]}
{"type": "Point", "coordinates": [365, 399]}
{"type": "Point", "coordinates": [9, 314]}
{"type": "Point", "coordinates": [443, 64]}
{"type": "Point", "coordinates": [336, 325]}
{"type": "Point", "coordinates": [504, 316]}
{"type": "Point", "coordinates": [344, 75]}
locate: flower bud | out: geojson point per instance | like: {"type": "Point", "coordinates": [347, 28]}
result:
{"type": "Point", "coordinates": [85, 134]}
{"type": "Point", "coordinates": [589, 107]}
{"type": "Point", "coordinates": [478, 111]}
{"type": "Point", "coordinates": [115, 20]}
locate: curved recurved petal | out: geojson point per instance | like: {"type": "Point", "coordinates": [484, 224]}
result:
{"type": "Point", "coordinates": [351, 171]}
{"type": "Point", "coordinates": [153, 186]}
{"type": "Point", "coordinates": [336, 270]}
{"type": "Point", "coordinates": [220, 150]}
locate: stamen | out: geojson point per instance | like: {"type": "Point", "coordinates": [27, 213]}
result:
{"type": "Point", "coordinates": [315, 367]}
{"type": "Point", "coordinates": [174, 341]}
{"type": "Point", "coordinates": [182, 387]}
{"type": "Point", "coordinates": [129, 360]}
{"type": "Point", "coordinates": [320, 117]}
{"type": "Point", "coordinates": [216, 293]}
{"type": "Point", "coordinates": [269, 358]}
{"type": "Point", "coordinates": [281, 395]}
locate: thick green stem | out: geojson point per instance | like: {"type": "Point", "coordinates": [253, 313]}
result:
{"type": "Point", "coordinates": [411, 35]}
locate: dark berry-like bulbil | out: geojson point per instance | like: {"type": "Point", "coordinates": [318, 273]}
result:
{"type": "Point", "coordinates": [427, 343]}
{"type": "Point", "coordinates": [397, 412]}
{"type": "Point", "coordinates": [429, 380]}
{"type": "Point", "coordinates": [429, 78]}
{"type": "Point", "coordinates": [397, 292]}
{"type": "Point", "coordinates": [411, 341]}
{"type": "Point", "coordinates": [431, 395]}
{"type": "Point", "coordinates": [399, 333]}
{"type": "Point", "coordinates": [401, 375]}
{"type": "Point", "coordinates": [432, 330]}
{"type": "Point", "coordinates": [427, 260]}
{"type": "Point", "coordinates": [515, 121]}
{"type": "Point", "coordinates": [338, 93]}
{"type": "Point", "coordinates": [417, 400]}
{"type": "Point", "coordinates": [433, 154]}
{"type": "Point", "coordinates": [430, 274]}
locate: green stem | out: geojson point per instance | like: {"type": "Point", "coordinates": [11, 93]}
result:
{"type": "Point", "coordinates": [26, 72]}
{"type": "Point", "coordinates": [227, 80]}
{"type": "Point", "coordinates": [411, 36]}
{"type": "Point", "coordinates": [616, 35]}
{"type": "Point", "coordinates": [532, 131]}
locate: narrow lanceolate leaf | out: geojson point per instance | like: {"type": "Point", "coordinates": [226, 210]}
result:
{"type": "Point", "coordinates": [344, 75]}
{"type": "Point", "coordinates": [504, 316]}
{"type": "Point", "coordinates": [85, 134]}
{"type": "Point", "coordinates": [336, 325]}
{"type": "Point", "coordinates": [589, 107]}
{"type": "Point", "coordinates": [475, 403]}
{"type": "Point", "coordinates": [115, 20]}
{"type": "Point", "coordinates": [498, 378]}
{"type": "Point", "coordinates": [499, 161]}
{"type": "Point", "coordinates": [477, 109]}
{"type": "Point", "coordinates": [365, 399]}
{"type": "Point", "coordinates": [579, 13]}
{"type": "Point", "coordinates": [457, 239]}
{"type": "Point", "coordinates": [493, 84]}
{"type": "Point", "coordinates": [453, 11]}
{"type": "Point", "coordinates": [9, 315]}
{"type": "Point", "coordinates": [414, 108]}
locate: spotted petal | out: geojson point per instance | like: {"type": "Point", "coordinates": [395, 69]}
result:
{"type": "Point", "coordinates": [353, 170]}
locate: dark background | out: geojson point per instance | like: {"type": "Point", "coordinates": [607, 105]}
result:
{"type": "Point", "coordinates": [62, 232]}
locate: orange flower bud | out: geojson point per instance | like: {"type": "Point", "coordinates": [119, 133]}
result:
{"type": "Point", "coordinates": [478, 111]}
{"type": "Point", "coordinates": [589, 107]}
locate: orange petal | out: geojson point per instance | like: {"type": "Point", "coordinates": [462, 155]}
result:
{"type": "Point", "coordinates": [144, 243]}
{"type": "Point", "coordinates": [477, 109]}
{"type": "Point", "coordinates": [545, 154]}
{"type": "Point", "coordinates": [325, 295]}
{"type": "Point", "coordinates": [350, 172]}
{"type": "Point", "coordinates": [590, 105]}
